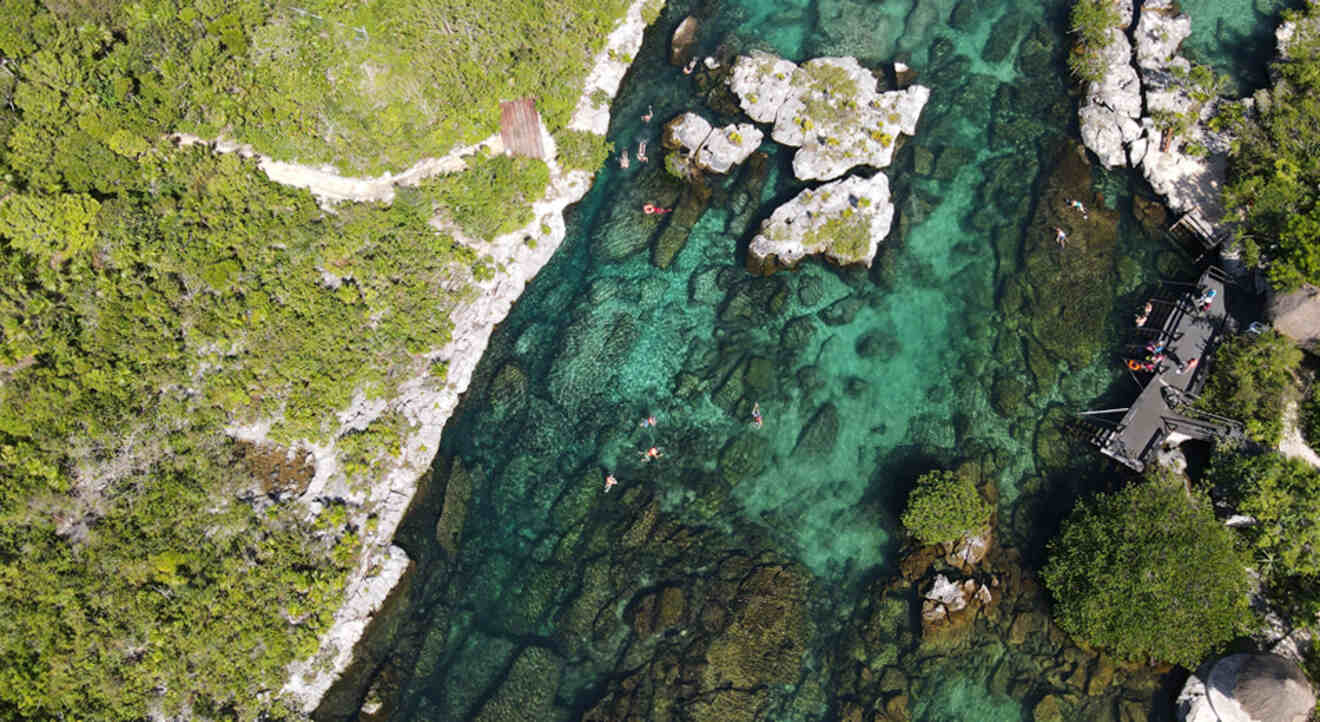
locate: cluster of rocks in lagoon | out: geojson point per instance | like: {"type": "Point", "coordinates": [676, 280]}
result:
{"type": "Point", "coordinates": [832, 111]}
{"type": "Point", "coordinates": [1159, 115]}
{"type": "Point", "coordinates": [681, 621]}
{"type": "Point", "coordinates": [828, 108]}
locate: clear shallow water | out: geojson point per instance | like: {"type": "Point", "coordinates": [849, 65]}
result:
{"type": "Point", "coordinates": [935, 356]}
{"type": "Point", "coordinates": [1235, 37]}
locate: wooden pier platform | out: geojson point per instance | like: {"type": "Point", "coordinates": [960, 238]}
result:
{"type": "Point", "coordinates": [1162, 413]}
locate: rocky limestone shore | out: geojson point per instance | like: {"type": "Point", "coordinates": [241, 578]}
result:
{"type": "Point", "coordinates": [830, 108]}
{"type": "Point", "coordinates": [844, 221]}
{"type": "Point", "coordinates": [428, 405]}
{"type": "Point", "coordinates": [1156, 115]}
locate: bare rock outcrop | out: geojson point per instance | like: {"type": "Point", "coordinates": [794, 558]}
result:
{"type": "Point", "coordinates": [1247, 688]}
{"type": "Point", "coordinates": [1109, 114]}
{"type": "Point", "coordinates": [680, 44]}
{"type": "Point", "coordinates": [1159, 34]}
{"type": "Point", "coordinates": [845, 221]}
{"type": "Point", "coordinates": [699, 145]}
{"type": "Point", "coordinates": [828, 107]}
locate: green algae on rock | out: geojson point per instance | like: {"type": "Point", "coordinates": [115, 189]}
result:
{"type": "Point", "coordinates": [830, 108]}
{"type": "Point", "coordinates": [844, 220]}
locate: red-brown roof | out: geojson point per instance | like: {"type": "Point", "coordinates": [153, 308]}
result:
{"type": "Point", "coordinates": [520, 128]}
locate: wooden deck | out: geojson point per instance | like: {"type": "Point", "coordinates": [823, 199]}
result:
{"type": "Point", "coordinates": [1162, 412]}
{"type": "Point", "coordinates": [520, 128]}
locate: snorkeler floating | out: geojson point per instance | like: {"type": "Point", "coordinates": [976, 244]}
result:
{"type": "Point", "coordinates": [756, 415]}
{"type": "Point", "coordinates": [1060, 237]}
{"type": "Point", "coordinates": [650, 454]}
{"type": "Point", "coordinates": [1078, 205]}
{"type": "Point", "coordinates": [610, 482]}
{"type": "Point", "coordinates": [648, 421]}
{"type": "Point", "coordinates": [652, 209]}
{"type": "Point", "coordinates": [641, 152]}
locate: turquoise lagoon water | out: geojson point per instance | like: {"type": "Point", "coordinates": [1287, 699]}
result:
{"type": "Point", "coordinates": [866, 379]}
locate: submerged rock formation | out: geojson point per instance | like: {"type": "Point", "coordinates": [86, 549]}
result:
{"type": "Point", "coordinates": [695, 144]}
{"type": "Point", "coordinates": [830, 108]}
{"type": "Point", "coordinates": [844, 220]}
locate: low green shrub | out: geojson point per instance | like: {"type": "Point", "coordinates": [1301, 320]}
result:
{"type": "Point", "coordinates": [1247, 382]}
{"type": "Point", "coordinates": [1283, 495]}
{"type": "Point", "coordinates": [945, 506]}
{"type": "Point", "coordinates": [582, 150]}
{"type": "Point", "coordinates": [493, 196]}
{"type": "Point", "coordinates": [1090, 21]}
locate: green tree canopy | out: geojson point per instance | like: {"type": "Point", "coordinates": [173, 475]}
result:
{"type": "Point", "coordinates": [1148, 573]}
{"type": "Point", "coordinates": [944, 506]}
{"type": "Point", "coordinates": [1274, 172]}
{"type": "Point", "coordinates": [1090, 21]}
{"type": "Point", "coordinates": [1283, 495]}
{"type": "Point", "coordinates": [1248, 380]}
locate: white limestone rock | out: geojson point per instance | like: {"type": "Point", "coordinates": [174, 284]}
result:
{"type": "Point", "coordinates": [1257, 687]}
{"type": "Point", "coordinates": [948, 593]}
{"type": "Point", "coordinates": [1109, 114]}
{"type": "Point", "coordinates": [1107, 132]}
{"type": "Point", "coordinates": [1193, 703]}
{"type": "Point", "coordinates": [845, 221]}
{"type": "Point", "coordinates": [728, 146]}
{"type": "Point", "coordinates": [1187, 181]}
{"type": "Point", "coordinates": [688, 131]}
{"type": "Point", "coordinates": [713, 149]}
{"type": "Point", "coordinates": [1137, 151]}
{"type": "Point", "coordinates": [763, 84]}
{"type": "Point", "coordinates": [1125, 12]}
{"type": "Point", "coordinates": [830, 107]}
{"type": "Point", "coordinates": [1287, 32]}
{"type": "Point", "coordinates": [1120, 89]}
{"type": "Point", "coordinates": [1159, 33]}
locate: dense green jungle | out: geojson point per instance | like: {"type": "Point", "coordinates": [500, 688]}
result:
{"type": "Point", "coordinates": [156, 295]}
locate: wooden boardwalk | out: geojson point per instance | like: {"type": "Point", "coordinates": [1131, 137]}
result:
{"type": "Point", "coordinates": [1162, 412]}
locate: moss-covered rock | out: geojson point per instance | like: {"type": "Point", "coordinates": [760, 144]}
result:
{"type": "Point", "coordinates": [528, 691]}
{"type": "Point", "coordinates": [820, 433]}
{"type": "Point", "coordinates": [1070, 286]}
{"type": "Point", "coordinates": [1007, 394]}
{"type": "Point", "coordinates": [743, 457]}
{"type": "Point", "coordinates": [830, 98]}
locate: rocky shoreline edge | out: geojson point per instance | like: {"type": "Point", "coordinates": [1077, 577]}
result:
{"type": "Point", "coordinates": [382, 566]}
